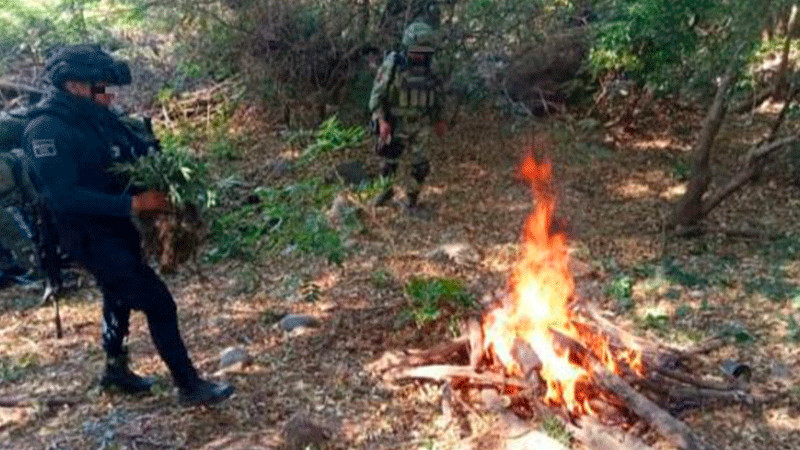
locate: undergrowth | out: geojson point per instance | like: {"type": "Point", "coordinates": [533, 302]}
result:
{"type": "Point", "coordinates": [430, 299]}
{"type": "Point", "coordinates": [292, 218]}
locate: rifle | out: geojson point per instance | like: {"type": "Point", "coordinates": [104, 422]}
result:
{"type": "Point", "coordinates": [44, 236]}
{"type": "Point", "coordinates": [49, 260]}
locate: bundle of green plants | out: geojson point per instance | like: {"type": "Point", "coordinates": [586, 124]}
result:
{"type": "Point", "coordinates": [175, 171]}
{"type": "Point", "coordinates": [333, 135]}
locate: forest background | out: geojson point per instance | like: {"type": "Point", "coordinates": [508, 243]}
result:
{"type": "Point", "coordinates": [672, 128]}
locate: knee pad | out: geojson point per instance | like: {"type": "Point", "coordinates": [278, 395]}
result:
{"type": "Point", "coordinates": [420, 169]}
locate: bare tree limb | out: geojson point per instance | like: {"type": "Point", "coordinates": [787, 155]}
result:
{"type": "Point", "coordinates": [746, 174]}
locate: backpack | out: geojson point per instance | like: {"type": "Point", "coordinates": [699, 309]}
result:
{"type": "Point", "coordinates": [12, 125]}
{"type": "Point", "coordinates": [25, 222]}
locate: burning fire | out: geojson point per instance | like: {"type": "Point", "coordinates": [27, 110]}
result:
{"type": "Point", "coordinates": [538, 309]}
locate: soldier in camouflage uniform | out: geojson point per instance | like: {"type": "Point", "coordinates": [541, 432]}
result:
{"type": "Point", "coordinates": [405, 103]}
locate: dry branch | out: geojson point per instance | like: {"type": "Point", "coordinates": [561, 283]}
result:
{"type": "Point", "coordinates": [677, 432]}
{"type": "Point", "coordinates": [445, 372]}
{"type": "Point", "coordinates": [747, 173]}
{"type": "Point", "coordinates": [475, 336]}
{"type": "Point", "coordinates": [702, 347]}
{"type": "Point", "coordinates": [753, 101]}
{"type": "Point", "coordinates": [18, 87]}
{"type": "Point", "coordinates": [693, 392]}
{"type": "Point", "coordinates": [696, 381]}
{"type": "Point", "coordinates": [26, 401]}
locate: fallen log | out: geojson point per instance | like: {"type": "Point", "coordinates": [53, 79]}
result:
{"type": "Point", "coordinates": [677, 432]}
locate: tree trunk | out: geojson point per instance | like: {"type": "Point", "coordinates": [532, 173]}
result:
{"type": "Point", "coordinates": [779, 89]}
{"type": "Point", "coordinates": [754, 162]}
{"type": "Point", "coordinates": [689, 211]}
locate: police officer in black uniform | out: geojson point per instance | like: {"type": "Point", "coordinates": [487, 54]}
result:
{"type": "Point", "coordinates": [71, 141]}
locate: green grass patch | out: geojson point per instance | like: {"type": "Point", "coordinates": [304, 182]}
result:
{"type": "Point", "coordinates": [556, 430]}
{"type": "Point", "coordinates": [775, 288]}
{"type": "Point", "coordinates": [621, 289]}
{"type": "Point", "coordinates": [12, 370]}
{"type": "Point", "coordinates": [283, 219]}
{"type": "Point", "coordinates": [292, 218]}
{"type": "Point", "coordinates": [676, 273]}
{"type": "Point", "coordinates": [430, 299]}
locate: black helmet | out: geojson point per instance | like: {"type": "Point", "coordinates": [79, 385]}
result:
{"type": "Point", "coordinates": [87, 63]}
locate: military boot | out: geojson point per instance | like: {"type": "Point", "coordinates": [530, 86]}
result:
{"type": "Point", "coordinates": [413, 199]}
{"type": "Point", "coordinates": [204, 393]}
{"type": "Point", "coordinates": [384, 197]}
{"type": "Point", "coordinates": [118, 375]}
{"type": "Point", "coordinates": [415, 209]}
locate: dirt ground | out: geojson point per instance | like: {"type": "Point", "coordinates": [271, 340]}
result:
{"type": "Point", "coordinates": [614, 188]}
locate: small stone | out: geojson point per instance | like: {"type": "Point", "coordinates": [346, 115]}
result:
{"type": "Point", "coordinates": [293, 321]}
{"type": "Point", "coordinates": [302, 432]}
{"type": "Point", "coordinates": [780, 370]}
{"type": "Point", "coordinates": [234, 358]}
{"type": "Point", "coordinates": [349, 172]}
{"type": "Point", "coordinates": [460, 253]}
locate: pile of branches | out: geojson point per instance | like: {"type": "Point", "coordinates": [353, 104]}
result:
{"type": "Point", "coordinates": [626, 400]}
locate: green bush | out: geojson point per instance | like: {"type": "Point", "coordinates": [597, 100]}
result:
{"type": "Point", "coordinates": [29, 29]}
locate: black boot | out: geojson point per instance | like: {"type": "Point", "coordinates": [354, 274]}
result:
{"type": "Point", "coordinates": [118, 375]}
{"type": "Point", "coordinates": [384, 197]}
{"type": "Point", "coordinates": [413, 199]}
{"type": "Point", "coordinates": [415, 209]}
{"type": "Point", "coordinates": [205, 393]}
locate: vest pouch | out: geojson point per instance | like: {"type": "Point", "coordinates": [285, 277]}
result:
{"type": "Point", "coordinates": [415, 87]}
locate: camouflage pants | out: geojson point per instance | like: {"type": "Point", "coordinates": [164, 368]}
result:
{"type": "Point", "coordinates": [412, 166]}
{"type": "Point", "coordinates": [16, 237]}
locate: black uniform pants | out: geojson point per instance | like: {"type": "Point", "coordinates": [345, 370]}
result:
{"type": "Point", "coordinates": [128, 283]}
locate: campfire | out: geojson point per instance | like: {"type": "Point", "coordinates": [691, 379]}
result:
{"type": "Point", "coordinates": [545, 350]}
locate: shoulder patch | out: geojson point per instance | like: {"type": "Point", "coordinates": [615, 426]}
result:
{"type": "Point", "coordinates": [44, 147]}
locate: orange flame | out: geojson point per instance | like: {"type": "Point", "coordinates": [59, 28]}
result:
{"type": "Point", "coordinates": [540, 293]}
